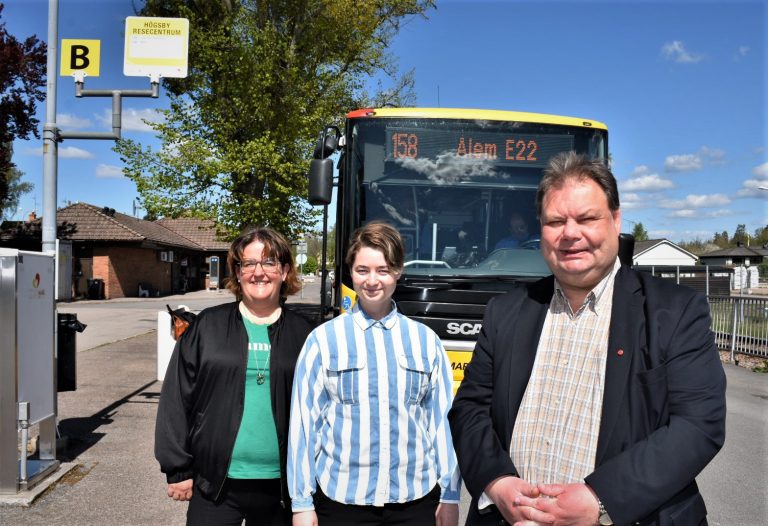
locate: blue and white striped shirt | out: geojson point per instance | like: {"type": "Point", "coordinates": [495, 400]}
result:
{"type": "Point", "coordinates": [369, 414]}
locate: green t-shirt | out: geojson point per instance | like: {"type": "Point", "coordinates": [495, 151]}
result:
{"type": "Point", "coordinates": [256, 454]}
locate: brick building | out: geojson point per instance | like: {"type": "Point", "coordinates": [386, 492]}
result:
{"type": "Point", "coordinates": [115, 255]}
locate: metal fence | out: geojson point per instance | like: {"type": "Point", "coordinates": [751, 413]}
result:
{"type": "Point", "coordinates": [740, 324]}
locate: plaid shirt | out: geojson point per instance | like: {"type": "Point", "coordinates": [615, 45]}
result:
{"type": "Point", "coordinates": [556, 430]}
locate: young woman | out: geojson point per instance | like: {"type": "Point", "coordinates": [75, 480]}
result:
{"type": "Point", "coordinates": [222, 422]}
{"type": "Point", "coordinates": [369, 437]}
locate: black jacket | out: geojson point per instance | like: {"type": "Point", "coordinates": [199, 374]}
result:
{"type": "Point", "coordinates": [663, 415]}
{"type": "Point", "coordinates": [201, 403]}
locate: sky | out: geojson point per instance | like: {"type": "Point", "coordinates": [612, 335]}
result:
{"type": "Point", "coordinates": [681, 85]}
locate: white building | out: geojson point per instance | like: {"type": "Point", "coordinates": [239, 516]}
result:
{"type": "Point", "coordinates": [661, 252]}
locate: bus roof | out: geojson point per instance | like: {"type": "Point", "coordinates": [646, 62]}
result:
{"type": "Point", "coordinates": [473, 114]}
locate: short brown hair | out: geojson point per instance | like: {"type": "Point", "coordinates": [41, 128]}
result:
{"type": "Point", "coordinates": [380, 236]}
{"type": "Point", "coordinates": [571, 164]}
{"type": "Point", "coordinates": [275, 245]}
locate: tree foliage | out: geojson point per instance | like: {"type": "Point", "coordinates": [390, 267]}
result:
{"type": "Point", "coordinates": [22, 76]}
{"type": "Point", "coordinates": [721, 240]}
{"type": "Point", "coordinates": [265, 77]}
{"type": "Point", "coordinates": [15, 189]}
{"type": "Point", "coordinates": [639, 232]}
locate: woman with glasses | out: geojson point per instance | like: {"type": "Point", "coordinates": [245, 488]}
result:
{"type": "Point", "coordinates": [222, 423]}
{"type": "Point", "coordinates": [369, 438]}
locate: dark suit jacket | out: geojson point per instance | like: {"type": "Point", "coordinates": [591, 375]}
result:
{"type": "Point", "coordinates": [663, 415]}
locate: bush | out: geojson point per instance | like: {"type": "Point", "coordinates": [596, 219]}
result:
{"type": "Point", "coordinates": [310, 267]}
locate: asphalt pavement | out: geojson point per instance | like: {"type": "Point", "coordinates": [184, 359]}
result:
{"type": "Point", "coordinates": [108, 425]}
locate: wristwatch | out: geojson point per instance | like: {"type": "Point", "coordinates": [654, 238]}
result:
{"type": "Point", "coordinates": [603, 519]}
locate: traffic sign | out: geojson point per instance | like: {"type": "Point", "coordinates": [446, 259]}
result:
{"type": "Point", "coordinates": [301, 248]}
{"type": "Point", "coordinates": [80, 56]}
{"type": "Point", "coordinates": [156, 46]}
{"type": "Point", "coordinates": [301, 259]}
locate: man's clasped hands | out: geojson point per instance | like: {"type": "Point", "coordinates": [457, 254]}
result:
{"type": "Point", "coordinates": [523, 503]}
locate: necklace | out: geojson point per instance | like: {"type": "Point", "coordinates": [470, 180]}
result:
{"type": "Point", "coordinates": [261, 372]}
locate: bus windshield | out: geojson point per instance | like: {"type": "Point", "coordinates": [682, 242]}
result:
{"type": "Point", "coordinates": [461, 192]}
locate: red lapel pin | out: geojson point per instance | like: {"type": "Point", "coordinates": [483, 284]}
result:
{"type": "Point", "coordinates": [620, 352]}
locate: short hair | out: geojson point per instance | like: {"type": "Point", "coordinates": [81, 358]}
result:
{"type": "Point", "coordinates": [567, 165]}
{"type": "Point", "coordinates": [379, 236]}
{"type": "Point", "coordinates": [275, 246]}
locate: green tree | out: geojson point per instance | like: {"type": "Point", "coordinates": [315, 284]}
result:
{"type": "Point", "coordinates": [265, 77]}
{"type": "Point", "coordinates": [761, 236]}
{"type": "Point", "coordinates": [310, 267]}
{"type": "Point", "coordinates": [22, 76]}
{"type": "Point", "coordinates": [15, 189]}
{"type": "Point", "coordinates": [640, 233]}
{"type": "Point", "coordinates": [721, 239]}
{"type": "Point", "coordinates": [740, 235]}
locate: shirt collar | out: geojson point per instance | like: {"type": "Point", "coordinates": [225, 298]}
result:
{"type": "Point", "coordinates": [595, 295]}
{"type": "Point", "coordinates": [365, 322]}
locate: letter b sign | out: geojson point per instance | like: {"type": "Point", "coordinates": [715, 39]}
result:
{"type": "Point", "coordinates": [80, 56]}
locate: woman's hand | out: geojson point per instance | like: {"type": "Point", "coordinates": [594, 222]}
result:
{"type": "Point", "coordinates": [180, 490]}
{"type": "Point", "coordinates": [305, 518]}
{"type": "Point", "coordinates": [447, 514]}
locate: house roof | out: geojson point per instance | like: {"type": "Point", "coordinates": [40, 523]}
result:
{"type": "Point", "coordinates": [642, 247]}
{"type": "Point", "coordinates": [85, 222]}
{"type": "Point", "coordinates": [202, 232]}
{"type": "Point", "coordinates": [739, 251]}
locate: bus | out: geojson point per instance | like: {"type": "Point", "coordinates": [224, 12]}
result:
{"type": "Point", "coordinates": [460, 186]}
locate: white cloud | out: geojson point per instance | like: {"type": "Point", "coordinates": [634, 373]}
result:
{"type": "Point", "coordinates": [689, 213]}
{"type": "Point", "coordinates": [661, 234]}
{"type": "Point", "coordinates": [640, 170]}
{"type": "Point", "coordinates": [71, 152]}
{"type": "Point", "coordinates": [71, 122]}
{"type": "Point", "coordinates": [686, 213]}
{"type": "Point", "coordinates": [646, 183]}
{"type": "Point", "coordinates": [761, 171]}
{"type": "Point", "coordinates": [753, 188]}
{"type": "Point", "coordinates": [133, 120]}
{"type": "Point", "coordinates": [676, 52]}
{"type": "Point", "coordinates": [723, 212]}
{"type": "Point", "coordinates": [65, 152]}
{"type": "Point", "coordinates": [712, 155]}
{"type": "Point", "coordinates": [696, 201]}
{"type": "Point", "coordinates": [742, 52]}
{"type": "Point", "coordinates": [449, 168]}
{"type": "Point", "coordinates": [631, 201]}
{"type": "Point", "coordinates": [682, 163]}
{"type": "Point", "coordinates": [108, 171]}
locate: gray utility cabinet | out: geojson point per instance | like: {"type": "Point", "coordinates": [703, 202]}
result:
{"type": "Point", "coordinates": [27, 366]}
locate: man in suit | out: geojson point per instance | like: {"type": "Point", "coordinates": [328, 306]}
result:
{"type": "Point", "coordinates": [596, 395]}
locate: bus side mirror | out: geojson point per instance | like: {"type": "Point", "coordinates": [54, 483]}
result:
{"type": "Point", "coordinates": [326, 146]}
{"type": "Point", "coordinates": [626, 249]}
{"type": "Point", "coordinates": [320, 181]}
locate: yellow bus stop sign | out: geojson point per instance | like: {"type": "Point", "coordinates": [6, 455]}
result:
{"type": "Point", "coordinates": [156, 46]}
{"type": "Point", "coordinates": [80, 56]}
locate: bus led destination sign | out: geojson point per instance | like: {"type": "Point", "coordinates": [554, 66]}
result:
{"type": "Point", "coordinates": [481, 146]}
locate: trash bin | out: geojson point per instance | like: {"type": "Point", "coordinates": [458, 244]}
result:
{"type": "Point", "coordinates": [66, 364]}
{"type": "Point", "coordinates": [95, 289]}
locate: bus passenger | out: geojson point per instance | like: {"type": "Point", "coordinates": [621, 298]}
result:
{"type": "Point", "coordinates": [518, 230]}
{"type": "Point", "coordinates": [222, 422]}
{"type": "Point", "coordinates": [369, 437]}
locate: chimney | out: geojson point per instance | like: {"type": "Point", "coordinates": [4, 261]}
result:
{"type": "Point", "coordinates": [32, 217]}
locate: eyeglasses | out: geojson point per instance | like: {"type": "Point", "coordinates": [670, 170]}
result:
{"type": "Point", "coordinates": [269, 266]}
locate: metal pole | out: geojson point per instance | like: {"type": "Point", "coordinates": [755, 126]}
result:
{"type": "Point", "coordinates": [706, 277]}
{"type": "Point", "coordinates": [324, 272]}
{"type": "Point", "coordinates": [50, 146]}
{"type": "Point", "coordinates": [733, 331]}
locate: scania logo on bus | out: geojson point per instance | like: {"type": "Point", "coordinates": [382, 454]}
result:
{"type": "Point", "coordinates": [467, 329]}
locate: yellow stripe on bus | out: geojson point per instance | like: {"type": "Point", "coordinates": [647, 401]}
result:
{"type": "Point", "coordinates": [489, 115]}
